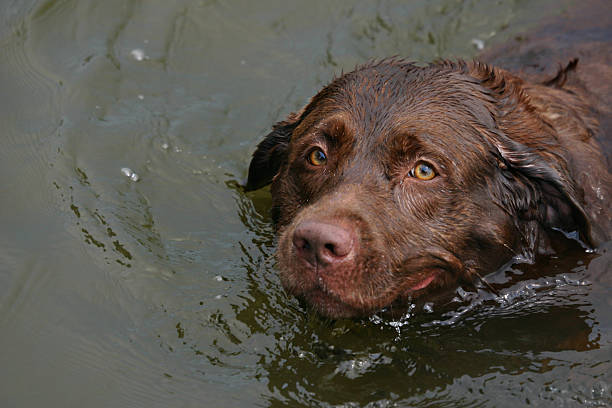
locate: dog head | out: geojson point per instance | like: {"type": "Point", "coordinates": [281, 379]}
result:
{"type": "Point", "coordinates": [397, 181]}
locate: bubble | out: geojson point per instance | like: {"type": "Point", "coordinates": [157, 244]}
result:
{"type": "Point", "coordinates": [127, 172]}
{"type": "Point", "coordinates": [138, 54]}
{"type": "Point", "coordinates": [478, 43]}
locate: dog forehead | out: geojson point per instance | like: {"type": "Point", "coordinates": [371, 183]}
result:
{"type": "Point", "coordinates": [390, 85]}
{"type": "Point", "coordinates": [382, 97]}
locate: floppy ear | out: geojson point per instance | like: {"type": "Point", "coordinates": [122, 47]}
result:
{"type": "Point", "coordinates": [534, 189]}
{"type": "Point", "coordinates": [270, 154]}
{"type": "Point", "coordinates": [535, 183]}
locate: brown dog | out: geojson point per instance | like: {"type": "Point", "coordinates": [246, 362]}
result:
{"type": "Point", "coordinates": [399, 180]}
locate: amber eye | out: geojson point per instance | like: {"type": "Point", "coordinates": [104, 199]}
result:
{"type": "Point", "coordinates": [317, 157]}
{"type": "Point", "coordinates": [423, 171]}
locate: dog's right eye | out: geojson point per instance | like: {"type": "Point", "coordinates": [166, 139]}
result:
{"type": "Point", "coordinates": [423, 171]}
{"type": "Point", "coordinates": [317, 157]}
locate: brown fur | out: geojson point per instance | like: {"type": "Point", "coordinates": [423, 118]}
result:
{"type": "Point", "coordinates": [515, 161]}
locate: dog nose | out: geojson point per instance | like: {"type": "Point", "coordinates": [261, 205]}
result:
{"type": "Point", "coordinates": [323, 243]}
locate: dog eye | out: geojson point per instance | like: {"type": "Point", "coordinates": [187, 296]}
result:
{"type": "Point", "coordinates": [423, 171]}
{"type": "Point", "coordinates": [317, 157]}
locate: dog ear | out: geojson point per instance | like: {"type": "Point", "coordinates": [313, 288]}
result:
{"type": "Point", "coordinates": [271, 153]}
{"type": "Point", "coordinates": [534, 188]}
{"type": "Point", "coordinates": [535, 183]}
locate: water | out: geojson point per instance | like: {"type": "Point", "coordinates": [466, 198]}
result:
{"type": "Point", "coordinates": [135, 272]}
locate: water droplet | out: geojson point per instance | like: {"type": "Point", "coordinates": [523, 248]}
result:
{"type": "Point", "coordinates": [478, 43]}
{"type": "Point", "coordinates": [127, 172]}
{"type": "Point", "coordinates": [141, 97]}
{"type": "Point", "coordinates": [138, 54]}
{"type": "Point", "coordinates": [165, 146]}
{"type": "Point", "coordinates": [462, 293]}
{"type": "Point", "coordinates": [375, 319]}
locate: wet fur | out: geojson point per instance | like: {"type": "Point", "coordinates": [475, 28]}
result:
{"type": "Point", "coordinates": [516, 161]}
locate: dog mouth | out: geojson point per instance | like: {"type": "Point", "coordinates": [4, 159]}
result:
{"type": "Point", "coordinates": [423, 283]}
{"type": "Point", "coordinates": [328, 304]}
{"type": "Point", "coordinates": [334, 305]}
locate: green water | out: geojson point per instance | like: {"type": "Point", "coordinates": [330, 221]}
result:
{"type": "Point", "coordinates": [162, 292]}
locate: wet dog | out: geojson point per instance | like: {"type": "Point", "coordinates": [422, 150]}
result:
{"type": "Point", "coordinates": [397, 181]}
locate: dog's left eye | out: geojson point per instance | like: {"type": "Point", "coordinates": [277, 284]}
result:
{"type": "Point", "coordinates": [423, 171]}
{"type": "Point", "coordinates": [317, 157]}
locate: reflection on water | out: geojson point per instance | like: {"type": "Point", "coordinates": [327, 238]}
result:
{"type": "Point", "coordinates": [135, 272]}
{"type": "Point", "coordinates": [525, 343]}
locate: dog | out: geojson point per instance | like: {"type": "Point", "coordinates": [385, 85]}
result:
{"type": "Point", "coordinates": [398, 181]}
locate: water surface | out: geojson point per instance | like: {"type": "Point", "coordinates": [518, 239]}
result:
{"type": "Point", "coordinates": [160, 289]}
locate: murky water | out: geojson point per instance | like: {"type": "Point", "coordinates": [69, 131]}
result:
{"type": "Point", "coordinates": [135, 272]}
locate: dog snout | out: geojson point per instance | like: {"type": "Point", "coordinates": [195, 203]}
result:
{"type": "Point", "coordinates": [324, 243]}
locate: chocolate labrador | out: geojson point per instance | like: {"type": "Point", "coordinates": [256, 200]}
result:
{"type": "Point", "coordinates": [398, 181]}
